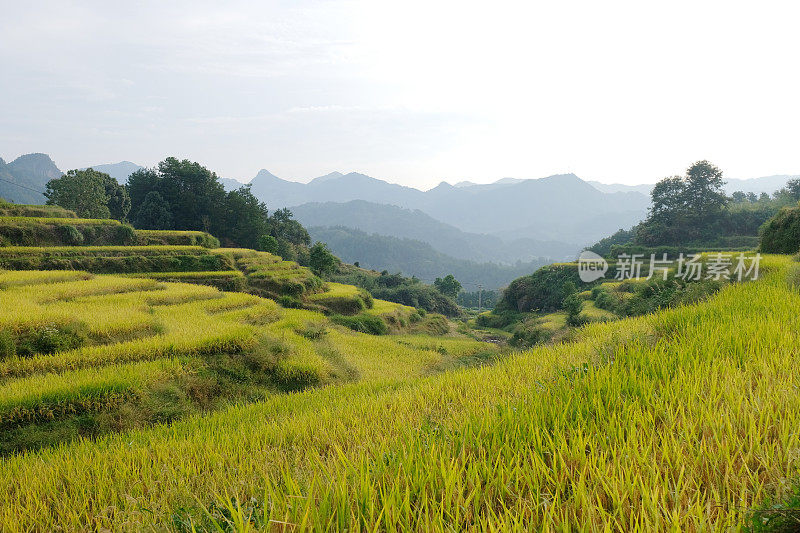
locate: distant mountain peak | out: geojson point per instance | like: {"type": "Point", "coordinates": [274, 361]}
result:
{"type": "Point", "coordinates": [119, 171]}
{"type": "Point", "coordinates": [359, 175]}
{"type": "Point", "coordinates": [36, 157]}
{"type": "Point", "coordinates": [327, 177]}
{"type": "Point", "coordinates": [265, 174]}
{"type": "Point", "coordinates": [508, 181]}
{"type": "Point", "coordinates": [443, 186]}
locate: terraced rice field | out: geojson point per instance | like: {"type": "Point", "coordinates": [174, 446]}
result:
{"type": "Point", "coordinates": [685, 419]}
{"type": "Point", "coordinates": [73, 343]}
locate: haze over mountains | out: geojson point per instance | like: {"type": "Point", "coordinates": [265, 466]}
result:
{"type": "Point", "coordinates": [403, 223]}
{"type": "Point", "coordinates": [768, 184]}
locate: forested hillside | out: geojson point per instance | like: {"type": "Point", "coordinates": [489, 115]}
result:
{"type": "Point", "coordinates": [394, 221]}
{"type": "Point", "coordinates": [416, 258]}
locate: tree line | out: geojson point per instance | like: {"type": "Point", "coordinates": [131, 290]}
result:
{"type": "Point", "coordinates": [693, 210]}
{"type": "Point", "coordinates": [184, 195]}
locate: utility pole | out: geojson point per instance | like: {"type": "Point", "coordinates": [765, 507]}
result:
{"type": "Point", "coordinates": [480, 297]}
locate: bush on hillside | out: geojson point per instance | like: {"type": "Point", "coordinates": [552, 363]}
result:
{"type": "Point", "coordinates": [420, 296]}
{"type": "Point", "coordinates": [362, 323]}
{"type": "Point", "coordinates": [781, 234]}
{"type": "Point", "coordinates": [47, 233]}
{"type": "Point", "coordinates": [544, 290]}
{"type": "Point", "coordinates": [175, 238]}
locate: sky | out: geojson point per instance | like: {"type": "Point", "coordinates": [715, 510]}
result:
{"type": "Point", "coordinates": [410, 92]}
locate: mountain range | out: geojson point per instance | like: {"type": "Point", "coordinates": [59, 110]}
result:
{"type": "Point", "coordinates": [404, 223]}
{"type": "Point", "coordinates": [506, 222]}
{"type": "Point", "coordinates": [557, 209]}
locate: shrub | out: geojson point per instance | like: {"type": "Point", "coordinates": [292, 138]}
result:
{"type": "Point", "coordinates": [498, 319]}
{"type": "Point", "coordinates": [573, 305]}
{"type": "Point", "coordinates": [526, 336]}
{"type": "Point", "coordinates": [71, 235]}
{"type": "Point", "coordinates": [781, 234]}
{"type": "Point", "coordinates": [362, 323]}
{"type": "Point", "coordinates": [268, 243]}
{"type": "Point", "coordinates": [544, 290]}
{"type": "Point", "coordinates": [604, 300]}
{"type": "Point", "coordinates": [50, 339]}
{"type": "Point", "coordinates": [126, 235]}
{"type": "Point", "coordinates": [290, 302]}
{"type": "Point", "coordinates": [296, 375]}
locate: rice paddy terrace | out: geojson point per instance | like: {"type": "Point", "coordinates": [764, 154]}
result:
{"type": "Point", "coordinates": [85, 352]}
{"type": "Point", "coordinates": [133, 400]}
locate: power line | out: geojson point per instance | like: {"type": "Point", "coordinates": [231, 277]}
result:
{"type": "Point", "coordinates": [23, 186]}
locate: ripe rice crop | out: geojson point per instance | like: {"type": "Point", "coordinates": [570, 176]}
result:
{"type": "Point", "coordinates": [680, 420]}
{"type": "Point", "coordinates": [47, 395]}
{"type": "Point", "coordinates": [11, 278]}
{"type": "Point", "coordinates": [60, 221]}
{"type": "Point", "coordinates": [111, 251]}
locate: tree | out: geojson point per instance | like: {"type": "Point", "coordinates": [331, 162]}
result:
{"type": "Point", "coordinates": [449, 286]}
{"type": "Point", "coordinates": [196, 197]}
{"type": "Point", "coordinates": [119, 201]}
{"type": "Point", "coordinates": [246, 219]}
{"type": "Point", "coordinates": [286, 250]}
{"type": "Point", "coordinates": [793, 188]}
{"type": "Point", "coordinates": [268, 243]}
{"type": "Point", "coordinates": [82, 191]}
{"type": "Point", "coordinates": [140, 183]}
{"type": "Point", "coordinates": [154, 213]}
{"type": "Point", "coordinates": [667, 199]}
{"type": "Point", "coordinates": [196, 200]}
{"type": "Point", "coordinates": [322, 261]}
{"type": "Point", "coordinates": [283, 226]}
{"type": "Point", "coordinates": [685, 209]}
{"type": "Point", "coordinates": [573, 305]}
{"type": "Point", "coordinates": [702, 196]}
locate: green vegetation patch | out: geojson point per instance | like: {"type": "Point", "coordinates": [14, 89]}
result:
{"type": "Point", "coordinates": [175, 237]}
{"type": "Point", "coordinates": [37, 231]}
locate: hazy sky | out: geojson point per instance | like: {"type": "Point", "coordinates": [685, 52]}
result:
{"type": "Point", "coordinates": [412, 92]}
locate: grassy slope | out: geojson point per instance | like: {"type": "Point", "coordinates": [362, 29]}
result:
{"type": "Point", "coordinates": [683, 419]}
{"type": "Point", "coordinates": [127, 335]}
